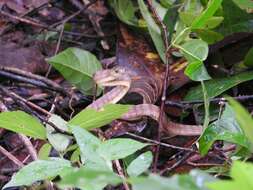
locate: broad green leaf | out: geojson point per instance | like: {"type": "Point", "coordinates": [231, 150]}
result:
{"type": "Point", "coordinates": [243, 117]}
{"type": "Point", "coordinates": [167, 3]}
{"type": "Point", "coordinates": [187, 17]}
{"type": "Point", "coordinates": [125, 10]}
{"type": "Point", "coordinates": [216, 87]}
{"type": "Point", "coordinates": [140, 164]}
{"type": "Point", "coordinates": [90, 118]}
{"type": "Point", "coordinates": [44, 151]}
{"type": "Point", "coordinates": [195, 180]}
{"type": "Point", "coordinates": [241, 174]}
{"type": "Point", "coordinates": [153, 29]}
{"type": "Point", "coordinates": [202, 19]}
{"type": "Point", "coordinates": [196, 71]}
{"type": "Point", "coordinates": [194, 50]}
{"type": "Point", "coordinates": [89, 179]}
{"type": "Point", "coordinates": [208, 36]}
{"type": "Point", "coordinates": [38, 170]}
{"type": "Point", "coordinates": [88, 145]}
{"type": "Point", "coordinates": [235, 19]}
{"type": "Point", "coordinates": [58, 140]}
{"type": "Point", "coordinates": [244, 4]}
{"type": "Point", "coordinates": [226, 128]}
{"type": "Point", "coordinates": [78, 67]}
{"type": "Point", "coordinates": [248, 60]}
{"type": "Point", "coordinates": [21, 122]}
{"type": "Point", "coordinates": [213, 22]}
{"type": "Point", "coordinates": [119, 148]}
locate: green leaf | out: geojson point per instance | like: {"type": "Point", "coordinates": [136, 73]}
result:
{"type": "Point", "coordinates": [125, 10]}
{"type": "Point", "coordinates": [90, 118]}
{"type": "Point", "coordinates": [58, 140]}
{"type": "Point", "coordinates": [235, 19]}
{"type": "Point", "coordinates": [153, 29]}
{"type": "Point", "coordinates": [244, 4]}
{"type": "Point", "coordinates": [88, 145]}
{"type": "Point", "coordinates": [196, 180]}
{"type": "Point", "coordinates": [248, 60]}
{"type": "Point", "coordinates": [202, 19]}
{"type": "Point", "coordinates": [140, 164]}
{"type": "Point", "coordinates": [38, 170]}
{"type": "Point", "coordinates": [78, 67]}
{"type": "Point", "coordinates": [195, 50]}
{"type": "Point", "coordinates": [243, 117]}
{"type": "Point", "coordinates": [89, 179]}
{"type": "Point", "coordinates": [241, 174]}
{"type": "Point", "coordinates": [216, 87]}
{"type": "Point", "coordinates": [119, 148]}
{"type": "Point", "coordinates": [21, 122]}
{"type": "Point", "coordinates": [187, 17]}
{"type": "Point", "coordinates": [44, 151]}
{"type": "Point", "coordinates": [213, 22]}
{"type": "Point", "coordinates": [208, 36]}
{"type": "Point", "coordinates": [196, 71]}
{"type": "Point", "coordinates": [75, 155]}
{"type": "Point", "coordinates": [226, 128]}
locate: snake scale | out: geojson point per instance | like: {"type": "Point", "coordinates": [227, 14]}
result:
{"type": "Point", "coordinates": [120, 79]}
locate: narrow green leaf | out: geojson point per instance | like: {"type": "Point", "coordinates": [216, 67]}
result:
{"type": "Point", "coordinates": [90, 118]}
{"type": "Point", "coordinates": [153, 29]}
{"type": "Point", "coordinates": [216, 87]}
{"type": "Point", "coordinates": [195, 49]}
{"type": "Point", "coordinates": [38, 170]}
{"type": "Point", "coordinates": [21, 122]}
{"type": "Point", "coordinates": [226, 128]}
{"type": "Point", "coordinates": [201, 20]}
{"type": "Point", "coordinates": [78, 67]}
{"type": "Point", "coordinates": [140, 164]}
{"type": "Point", "coordinates": [243, 117]}
{"type": "Point", "coordinates": [119, 148]}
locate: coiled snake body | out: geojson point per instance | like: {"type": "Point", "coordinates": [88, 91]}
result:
{"type": "Point", "coordinates": [121, 81]}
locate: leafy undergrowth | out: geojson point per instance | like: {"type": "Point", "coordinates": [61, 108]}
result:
{"type": "Point", "coordinates": [75, 151]}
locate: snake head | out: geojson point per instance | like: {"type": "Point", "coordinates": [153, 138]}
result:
{"type": "Point", "coordinates": [112, 77]}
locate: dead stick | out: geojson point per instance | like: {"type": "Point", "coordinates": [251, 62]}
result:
{"type": "Point", "coordinates": [11, 157]}
{"type": "Point", "coordinates": [166, 77]}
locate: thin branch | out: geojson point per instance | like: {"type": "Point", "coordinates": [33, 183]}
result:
{"type": "Point", "coordinates": [159, 143]}
{"type": "Point", "coordinates": [11, 157]}
{"type": "Point", "coordinates": [31, 78]}
{"type": "Point", "coordinates": [121, 174]}
{"type": "Point", "coordinates": [168, 61]}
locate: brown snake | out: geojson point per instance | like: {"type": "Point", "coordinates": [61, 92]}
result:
{"type": "Point", "coordinates": [121, 81]}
